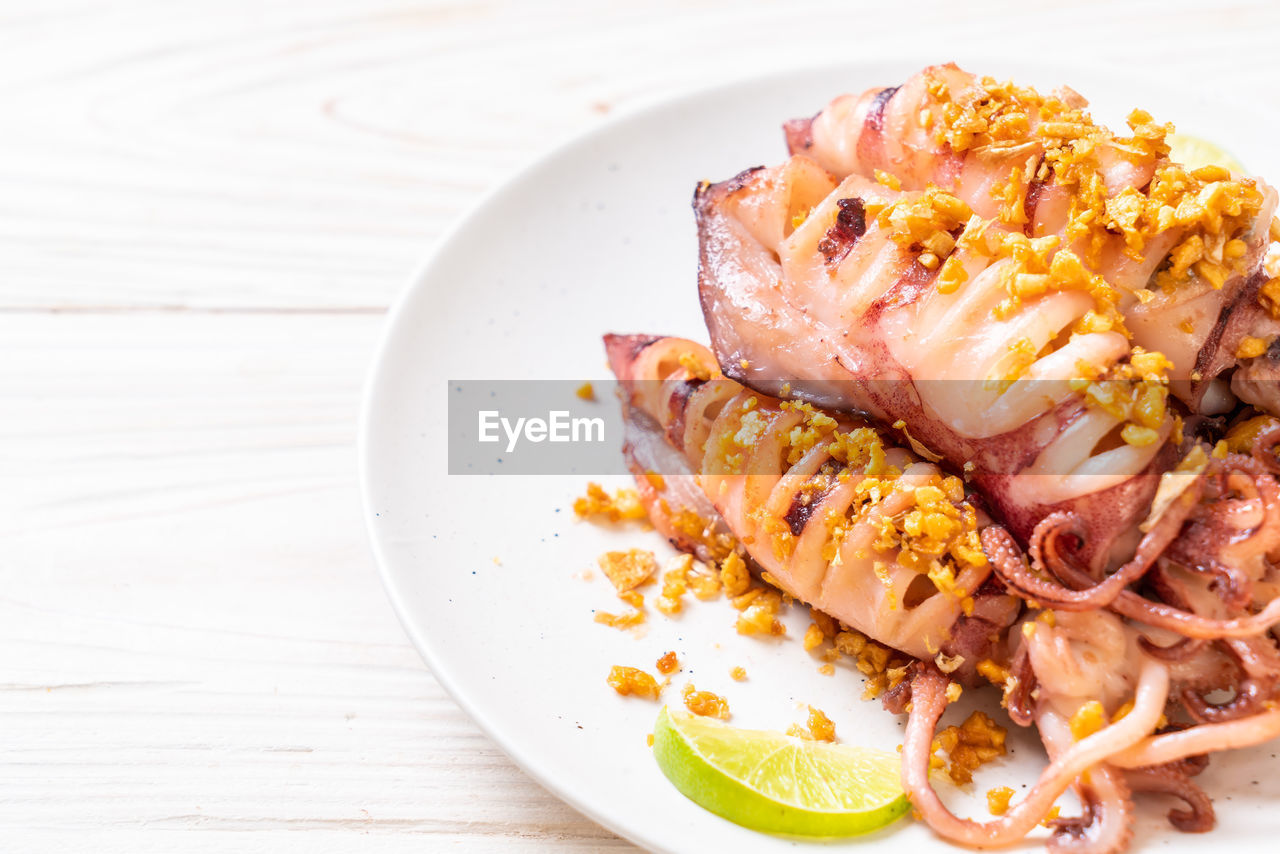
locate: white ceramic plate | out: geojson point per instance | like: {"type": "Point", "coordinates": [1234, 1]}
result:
{"type": "Point", "coordinates": [485, 572]}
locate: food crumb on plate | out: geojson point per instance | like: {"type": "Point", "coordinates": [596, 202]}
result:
{"type": "Point", "coordinates": [998, 800]}
{"type": "Point", "coordinates": [705, 703]}
{"type": "Point", "coordinates": [970, 745]}
{"type": "Point", "coordinates": [624, 504]}
{"type": "Point", "coordinates": [818, 727]}
{"type": "Point", "coordinates": [620, 621]}
{"type": "Point", "coordinates": [632, 681]}
{"type": "Point", "coordinates": [628, 570]}
{"type": "Point", "coordinates": [678, 575]}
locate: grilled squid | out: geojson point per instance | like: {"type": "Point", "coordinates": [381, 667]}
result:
{"type": "Point", "coordinates": [997, 387]}
{"type": "Point", "coordinates": [1026, 301]}
{"type": "Point", "coordinates": [1101, 702]}
{"type": "Point", "coordinates": [922, 134]}
{"type": "Point", "coordinates": [862, 530]}
{"type": "Point", "coordinates": [1106, 826]}
{"type": "Point", "coordinates": [868, 331]}
{"type": "Point", "coordinates": [884, 541]}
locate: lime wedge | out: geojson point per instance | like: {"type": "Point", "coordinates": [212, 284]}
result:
{"type": "Point", "coordinates": [775, 783]}
{"type": "Point", "coordinates": [1194, 152]}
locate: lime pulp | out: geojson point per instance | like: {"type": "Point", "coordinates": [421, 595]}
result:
{"type": "Point", "coordinates": [776, 783]}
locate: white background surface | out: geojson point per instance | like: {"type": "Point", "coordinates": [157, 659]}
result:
{"type": "Point", "coordinates": [205, 208]}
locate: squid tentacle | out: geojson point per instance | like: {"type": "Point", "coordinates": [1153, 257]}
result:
{"type": "Point", "coordinates": [1199, 740]}
{"type": "Point", "coordinates": [1198, 817]}
{"type": "Point", "coordinates": [1264, 449]}
{"type": "Point", "coordinates": [1180, 650]}
{"type": "Point", "coordinates": [1166, 616]}
{"type": "Point", "coordinates": [1046, 556]}
{"type": "Point", "coordinates": [1249, 697]}
{"type": "Point", "coordinates": [928, 698]}
{"type": "Point", "coordinates": [1018, 698]}
{"type": "Point", "coordinates": [1106, 823]}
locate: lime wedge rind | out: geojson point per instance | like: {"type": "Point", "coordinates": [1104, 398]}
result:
{"type": "Point", "coordinates": [774, 783]}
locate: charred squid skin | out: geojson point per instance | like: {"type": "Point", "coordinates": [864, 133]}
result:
{"type": "Point", "coordinates": [646, 450]}
{"type": "Point", "coordinates": [1031, 200]}
{"type": "Point", "coordinates": [875, 113]}
{"type": "Point", "coordinates": [871, 142]}
{"type": "Point", "coordinates": [799, 134]}
{"type": "Point", "coordinates": [726, 294]}
{"type": "Point", "coordinates": [1239, 314]}
{"type": "Point", "coordinates": [625, 348]}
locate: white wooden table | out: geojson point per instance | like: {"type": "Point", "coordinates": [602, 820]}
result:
{"type": "Point", "coordinates": [205, 208]}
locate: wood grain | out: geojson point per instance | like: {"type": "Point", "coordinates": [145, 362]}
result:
{"type": "Point", "coordinates": [194, 633]}
{"type": "Point", "coordinates": [279, 154]}
{"type": "Point", "coordinates": [207, 208]}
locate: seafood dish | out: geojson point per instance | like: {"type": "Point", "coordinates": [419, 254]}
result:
{"type": "Point", "coordinates": [995, 386]}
